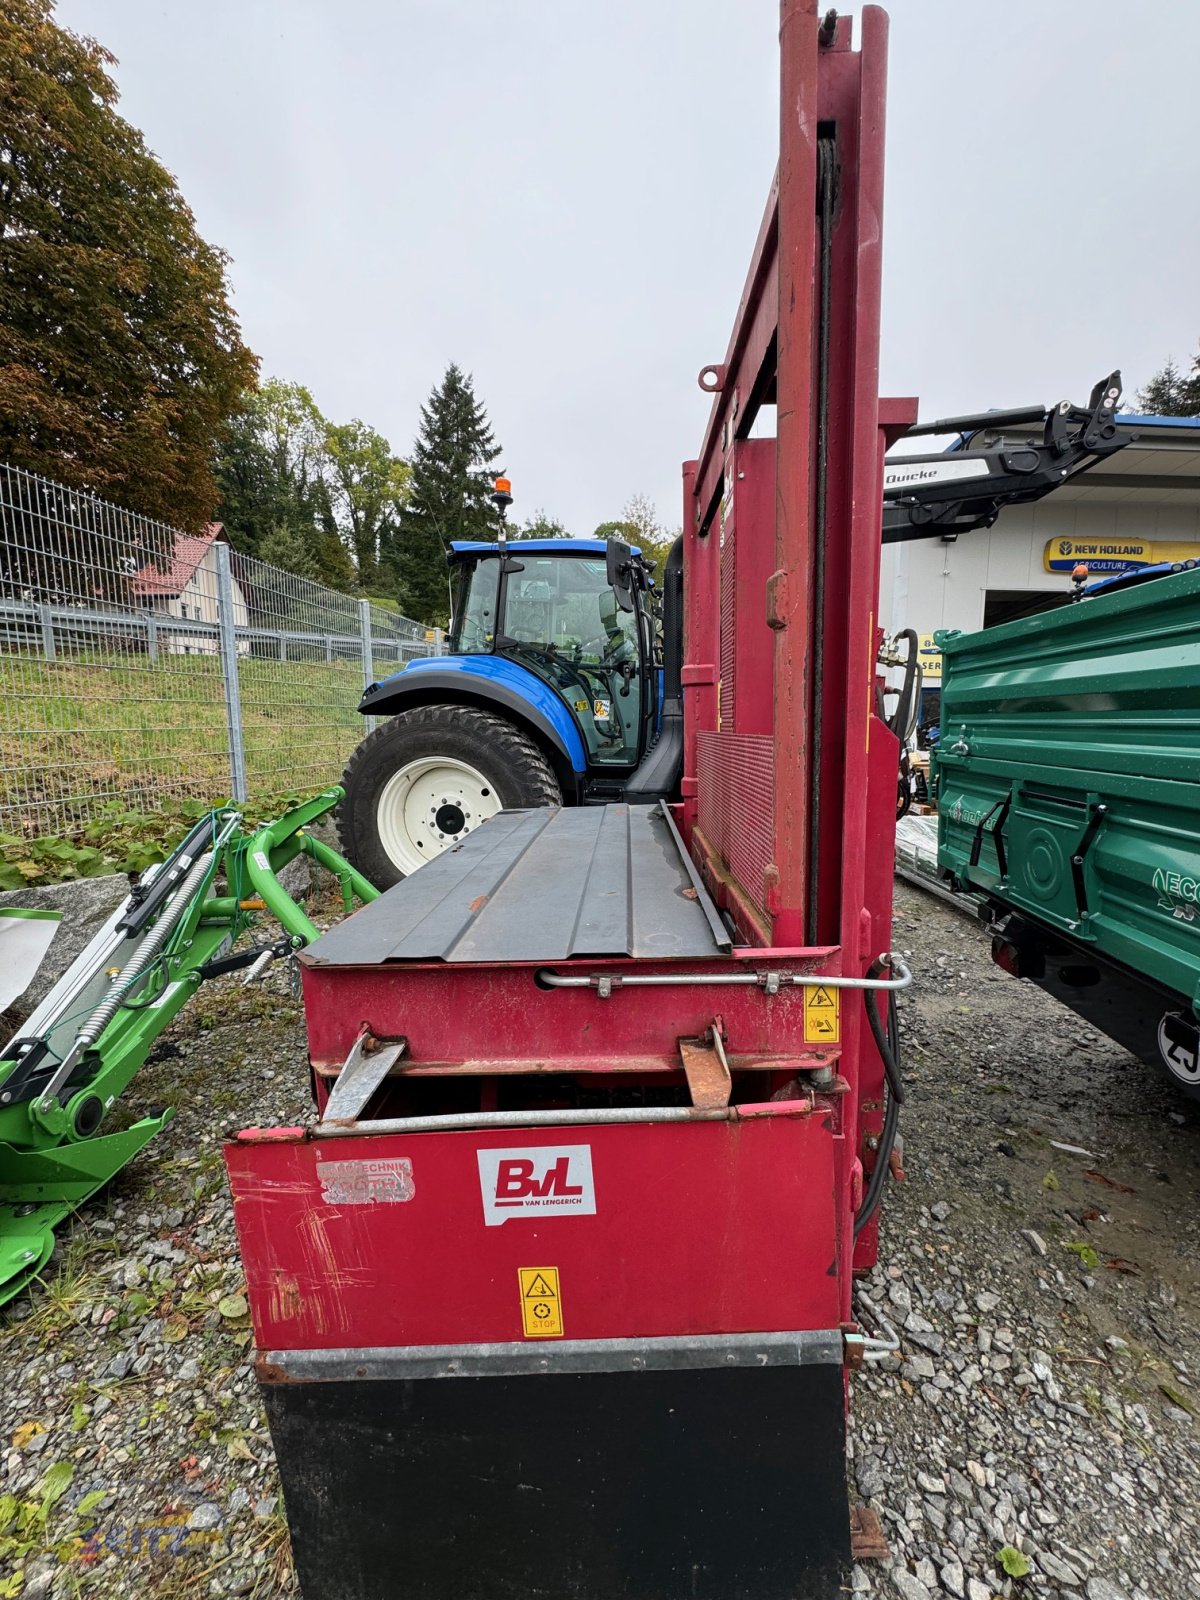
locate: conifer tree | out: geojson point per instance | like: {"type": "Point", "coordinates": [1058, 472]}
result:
{"type": "Point", "coordinates": [452, 477]}
{"type": "Point", "coordinates": [1171, 393]}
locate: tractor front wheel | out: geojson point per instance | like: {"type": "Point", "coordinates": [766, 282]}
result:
{"type": "Point", "coordinates": [428, 777]}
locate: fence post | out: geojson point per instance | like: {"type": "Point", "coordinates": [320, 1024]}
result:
{"type": "Point", "coordinates": [439, 642]}
{"type": "Point", "coordinates": [227, 642]}
{"type": "Point", "coordinates": [46, 617]}
{"type": "Point", "coordinates": [151, 637]}
{"type": "Point", "coordinates": [368, 652]}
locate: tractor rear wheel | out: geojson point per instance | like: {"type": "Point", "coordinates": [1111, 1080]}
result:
{"type": "Point", "coordinates": [428, 777]}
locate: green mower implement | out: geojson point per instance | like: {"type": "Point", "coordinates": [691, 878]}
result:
{"type": "Point", "coordinates": [64, 1073]}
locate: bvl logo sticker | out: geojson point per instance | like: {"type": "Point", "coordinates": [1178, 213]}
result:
{"type": "Point", "coordinates": [549, 1180]}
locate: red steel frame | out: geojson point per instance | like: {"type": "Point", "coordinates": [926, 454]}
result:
{"type": "Point", "coordinates": [764, 494]}
{"type": "Point", "coordinates": [493, 1024]}
{"type": "Point", "coordinates": [717, 1224]}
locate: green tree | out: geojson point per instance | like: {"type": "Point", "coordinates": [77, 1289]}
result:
{"type": "Point", "coordinates": [539, 526]}
{"type": "Point", "coordinates": [368, 486]}
{"type": "Point", "coordinates": [272, 473]}
{"type": "Point", "coordinates": [120, 356]}
{"type": "Point", "coordinates": [452, 479]}
{"type": "Point", "coordinates": [280, 548]}
{"type": "Point", "coordinates": [639, 525]}
{"type": "Point", "coordinates": [1171, 393]}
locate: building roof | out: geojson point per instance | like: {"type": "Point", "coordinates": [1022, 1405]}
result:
{"type": "Point", "coordinates": [188, 552]}
{"type": "Point", "coordinates": [1145, 420]}
{"type": "Point", "coordinates": [1160, 467]}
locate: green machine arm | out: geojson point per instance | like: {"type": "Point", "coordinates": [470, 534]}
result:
{"type": "Point", "coordinates": [75, 1057]}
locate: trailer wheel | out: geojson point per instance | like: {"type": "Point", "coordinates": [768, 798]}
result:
{"type": "Point", "coordinates": [1179, 1051]}
{"type": "Point", "coordinates": [426, 778]}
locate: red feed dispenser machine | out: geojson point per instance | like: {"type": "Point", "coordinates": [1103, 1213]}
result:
{"type": "Point", "coordinates": [555, 1298]}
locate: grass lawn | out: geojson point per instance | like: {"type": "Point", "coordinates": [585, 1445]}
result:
{"type": "Point", "coordinates": [78, 732]}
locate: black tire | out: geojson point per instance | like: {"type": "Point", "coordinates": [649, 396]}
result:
{"type": "Point", "coordinates": [514, 766]}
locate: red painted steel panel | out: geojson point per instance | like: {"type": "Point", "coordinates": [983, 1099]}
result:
{"type": "Point", "coordinates": [701, 642]}
{"type": "Point", "coordinates": [487, 1018]}
{"type": "Point", "coordinates": [707, 1227]}
{"type": "Point", "coordinates": [753, 509]}
{"type": "Point", "coordinates": [727, 686]}
{"type": "Point", "coordinates": [802, 63]}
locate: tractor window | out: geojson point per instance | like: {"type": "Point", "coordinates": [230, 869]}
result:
{"type": "Point", "coordinates": [473, 629]}
{"type": "Point", "coordinates": [561, 619]}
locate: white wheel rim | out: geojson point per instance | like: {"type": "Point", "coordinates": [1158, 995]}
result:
{"type": "Point", "coordinates": [429, 806]}
{"type": "Point", "coordinates": [1179, 1047]}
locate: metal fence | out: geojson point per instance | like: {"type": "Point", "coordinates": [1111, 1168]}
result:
{"type": "Point", "coordinates": [137, 663]}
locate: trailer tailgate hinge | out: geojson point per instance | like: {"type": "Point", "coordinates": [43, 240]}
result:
{"type": "Point", "coordinates": [364, 1069]}
{"type": "Point", "coordinates": [707, 1069]}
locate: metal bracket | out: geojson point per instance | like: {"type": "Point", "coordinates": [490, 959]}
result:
{"type": "Point", "coordinates": [1099, 812]}
{"type": "Point", "coordinates": [867, 1539]}
{"type": "Point", "coordinates": [1003, 806]}
{"type": "Point", "coordinates": [364, 1069]}
{"type": "Point", "coordinates": [707, 1070]}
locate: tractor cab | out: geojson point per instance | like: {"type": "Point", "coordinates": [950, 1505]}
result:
{"type": "Point", "coordinates": [573, 612]}
{"type": "Point", "coordinates": [549, 696]}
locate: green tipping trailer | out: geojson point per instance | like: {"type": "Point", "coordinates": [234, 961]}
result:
{"type": "Point", "coordinates": [1068, 787]}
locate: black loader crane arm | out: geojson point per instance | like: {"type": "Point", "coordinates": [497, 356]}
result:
{"type": "Point", "coordinates": [943, 495]}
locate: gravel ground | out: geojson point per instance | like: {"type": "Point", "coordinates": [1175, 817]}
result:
{"type": "Point", "coordinates": [1043, 1402]}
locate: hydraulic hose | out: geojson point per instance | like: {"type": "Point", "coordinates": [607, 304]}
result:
{"type": "Point", "coordinates": [904, 715]}
{"type": "Point", "coordinates": [888, 1045]}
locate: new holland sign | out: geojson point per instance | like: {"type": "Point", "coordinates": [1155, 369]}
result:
{"type": "Point", "coordinates": [1113, 555]}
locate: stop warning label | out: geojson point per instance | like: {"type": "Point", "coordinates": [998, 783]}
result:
{"type": "Point", "coordinates": [541, 1302]}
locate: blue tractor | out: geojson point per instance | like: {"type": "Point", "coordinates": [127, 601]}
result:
{"type": "Point", "coordinates": [555, 692]}
{"type": "Point", "coordinates": [561, 689]}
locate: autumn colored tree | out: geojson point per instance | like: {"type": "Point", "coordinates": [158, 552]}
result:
{"type": "Point", "coordinates": [120, 356]}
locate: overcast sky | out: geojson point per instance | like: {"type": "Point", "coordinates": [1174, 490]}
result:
{"type": "Point", "coordinates": [563, 197]}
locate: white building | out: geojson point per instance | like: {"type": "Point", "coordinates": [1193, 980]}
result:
{"type": "Point", "coordinates": [1138, 507]}
{"type": "Point", "coordinates": [187, 588]}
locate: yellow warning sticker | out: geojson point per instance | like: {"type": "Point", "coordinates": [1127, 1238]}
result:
{"type": "Point", "coordinates": [541, 1303]}
{"type": "Point", "coordinates": [822, 1015]}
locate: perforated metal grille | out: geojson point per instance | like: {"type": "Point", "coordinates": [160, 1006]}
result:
{"type": "Point", "coordinates": [737, 803]}
{"type": "Point", "coordinates": [728, 623]}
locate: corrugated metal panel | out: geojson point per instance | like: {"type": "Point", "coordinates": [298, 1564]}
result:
{"type": "Point", "coordinates": [541, 886]}
{"type": "Point", "coordinates": [1069, 774]}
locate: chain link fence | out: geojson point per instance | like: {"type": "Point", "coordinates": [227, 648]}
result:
{"type": "Point", "coordinates": [139, 663]}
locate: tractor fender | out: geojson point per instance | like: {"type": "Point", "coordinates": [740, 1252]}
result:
{"type": "Point", "coordinates": [494, 684]}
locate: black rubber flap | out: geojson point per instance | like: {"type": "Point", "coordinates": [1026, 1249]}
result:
{"type": "Point", "coordinates": [542, 886]}
{"type": "Point", "coordinates": [662, 1485]}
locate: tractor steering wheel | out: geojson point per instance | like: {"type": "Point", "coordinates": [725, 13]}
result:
{"type": "Point", "coordinates": [553, 661]}
{"type": "Point", "coordinates": [606, 648]}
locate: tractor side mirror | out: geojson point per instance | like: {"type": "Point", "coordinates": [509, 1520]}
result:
{"type": "Point", "coordinates": [619, 570]}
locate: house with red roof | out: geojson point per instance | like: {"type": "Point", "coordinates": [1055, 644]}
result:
{"type": "Point", "coordinates": [186, 587]}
